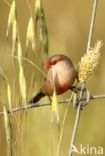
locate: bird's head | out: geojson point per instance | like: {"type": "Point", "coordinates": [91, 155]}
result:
{"type": "Point", "coordinates": [55, 60]}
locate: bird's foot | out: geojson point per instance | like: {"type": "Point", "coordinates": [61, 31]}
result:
{"type": "Point", "coordinates": [84, 100]}
{"type": "Point", "coordinates": [77, 89]}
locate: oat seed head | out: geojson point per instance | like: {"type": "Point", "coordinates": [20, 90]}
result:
{"type": "Point", "coordinates": [54, 106]}
{"type": "Point", "coordinates": [9, 95]}
{"type": "Point", "coordinates": [14, 36]}
{"type": "Point", "coordinates": [89, 62]}
{"type": "Point", "coordinates": [38, 5]}
{"type": "Point", "coordinates": [19, 53]}
{"type": "Point", "coordinates": [8, 131]}
{"type": "Point", "coordinates": [12, 16]}
{"type": "Point", "coordinates": [22, 84]}
{"type": "Point", "coordinates": [30, 34]}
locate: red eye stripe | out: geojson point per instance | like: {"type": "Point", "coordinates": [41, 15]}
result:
{"type": "Point", "coordinates": [56, 60]}
{"type": "Point", "coordinates": [47, 65]}
{"type": "Point", "coordinates": [52, 62]}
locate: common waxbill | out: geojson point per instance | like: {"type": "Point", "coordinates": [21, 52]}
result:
{"type": "Point", "coordinates": [60, 76]}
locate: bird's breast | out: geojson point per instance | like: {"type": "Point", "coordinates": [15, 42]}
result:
{"type": "Point", "coordinates": [61, 78]}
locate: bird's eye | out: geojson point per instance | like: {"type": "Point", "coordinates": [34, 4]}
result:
{"type": "Point", "coordinates": [53, 62]}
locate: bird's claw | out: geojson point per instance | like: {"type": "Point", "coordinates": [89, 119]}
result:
{"type": "Point", "coordinates": [77, 100]}
{"type": "Point", "coordinates": [77, 89]}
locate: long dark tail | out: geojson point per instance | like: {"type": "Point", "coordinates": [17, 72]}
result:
{"type": "Point", "coordinates": [37, 97]}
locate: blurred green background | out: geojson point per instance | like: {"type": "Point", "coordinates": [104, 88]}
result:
{"type": "Point", "coordinates": [68, 26]}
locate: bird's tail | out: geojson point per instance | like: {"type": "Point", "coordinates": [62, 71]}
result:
{"type": "Point", "coordinates": [37, 97]}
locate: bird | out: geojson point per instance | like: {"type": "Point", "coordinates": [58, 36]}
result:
{"type": "Point", "coordinates": [61, 75]}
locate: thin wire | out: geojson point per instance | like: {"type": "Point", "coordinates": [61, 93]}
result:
{"type": "Point", "coordinates": [92, 24]}
{"type": "Point", "coordinates": [32, 105]}
{"type": "Point", "coordinates": [76, 122]}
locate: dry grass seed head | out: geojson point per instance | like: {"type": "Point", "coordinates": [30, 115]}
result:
{"type": "Point", "coordinates": [19, 53]}
{"type": "Point", "coordinates": [89, 62]}
{"type": "Point", "coordinates": [54, 105]}
{"type": "Point", "coordinates": [14, 36]}
{"type": "Point", "coordinates": [12, 16]}
{"type": "Point", "coordinates": [9, 95]}
{"type": "Point", "coordinates": [8, 130]}
{"type": "Point", "coordinates": [38, 5]}
{"type": "Point", "coordinates": [30, 37]}
{"type": "Point", "coordinates": [22, 83]}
